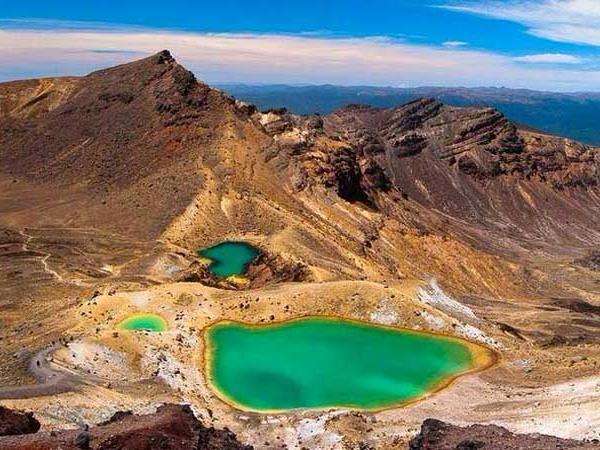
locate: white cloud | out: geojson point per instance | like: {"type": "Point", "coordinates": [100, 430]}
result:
{"type": "Point", "coordinates": [576, 21]}
{"type": "Point", "coordinates": [550, 58]}
{"type": "Point", "coordinates": [256, 58]}
{"type": "Point", "coordinates": [454, 44]}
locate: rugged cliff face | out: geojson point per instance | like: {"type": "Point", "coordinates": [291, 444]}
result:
{"type": "Point", "coordinates": [464, 163]}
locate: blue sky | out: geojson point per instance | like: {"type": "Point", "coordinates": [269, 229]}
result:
{"type": "Point", "coordinates": [543, 44]}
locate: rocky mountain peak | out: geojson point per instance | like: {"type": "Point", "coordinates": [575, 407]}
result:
{"type": "Point", "coordinates": [119, 126]}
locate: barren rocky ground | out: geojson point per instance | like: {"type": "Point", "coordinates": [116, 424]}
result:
{"type": "Point", "coordinates": [423, 216]}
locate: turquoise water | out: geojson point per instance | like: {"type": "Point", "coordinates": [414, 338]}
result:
{"type": "Point", "coordinates": [229, 258]}
{"type": "Point", "coordinates": [147, 322]}
{"type": "Point", "coordinates": [322, 362]}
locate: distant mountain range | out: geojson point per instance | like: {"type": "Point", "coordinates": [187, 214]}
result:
{"type": "Point", "coordinates": [574, 115]}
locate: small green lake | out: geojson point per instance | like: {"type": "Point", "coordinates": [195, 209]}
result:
{"type": "Point", "coordinates": [146, 322]}
{"type": "Point", "coordinates": [229, 258]}
{"type": "Point", "coordinates": [321, 362]}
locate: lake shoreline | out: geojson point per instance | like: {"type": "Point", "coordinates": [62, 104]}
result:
{"type": "Point", "coordinates": [482, 356]}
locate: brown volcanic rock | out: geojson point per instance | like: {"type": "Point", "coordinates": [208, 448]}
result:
{"type": "Point", "coordinates": [269, 269]}
{"type": "Point", "coordinates": [33, 98]}
{"type": "Point", "coordinates": [143, 151]}
{"type": "Point", "coordinates": [591, 261]}
{"type": "Point", "coordinates": [483, 142]}
{"type": "Point", "coordinates": [437, 435]}
{"type": "Point", "coordinates": [104, 119]}
{"type": "Point", "coordinates": [115, 138]}
{"type": "Point", "coordinates": [467, 163]}
{"type": "Point", "coordinates": [109, 187]}
{"type": "Point", "coordinates": [172, 427]}
{"type": "Point", "coordinates": [16, 422]}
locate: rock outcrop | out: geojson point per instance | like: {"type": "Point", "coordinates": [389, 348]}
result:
{"type": "Point", "coordinates": [437, 435]}
{"type": "Point", "coordinates": [171, 427]}
{"type": "Point", "coordinates": [269, 269]}
{"type": "Point", "coordinates": [480, 142]}
{"type": "Point", "coordinates": [17, 422]}
{"type": "Point", "coordinates": [468, 163]}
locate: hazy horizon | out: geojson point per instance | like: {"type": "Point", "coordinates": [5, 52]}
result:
{"type": "Point", "coordinates": [544, 45]}
{"type": "Point", "coordinates": [374, 86]}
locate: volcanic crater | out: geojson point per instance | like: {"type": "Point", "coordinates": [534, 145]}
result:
{"type": "Point", "coordinates": [424, 216]}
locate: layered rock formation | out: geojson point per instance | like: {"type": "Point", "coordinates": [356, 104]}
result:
{"type": "Point", "coordinates": [465, 163]}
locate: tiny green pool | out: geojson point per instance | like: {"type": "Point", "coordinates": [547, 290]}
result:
{"type": "Point", "coordinates": [229, 258]}
{"type": "Point", "coordinates": [147, 322]}
{"type": "Point", "coordinates": [321, 362]}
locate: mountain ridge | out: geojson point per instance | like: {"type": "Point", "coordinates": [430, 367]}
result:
{"type": "Point", "coordinates": [123, 129]}
{"type": "Point", "coordinates": [569, 114]}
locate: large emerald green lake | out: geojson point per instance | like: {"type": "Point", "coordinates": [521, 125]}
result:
{"type": "Point", "coordinates": [229, 258]}
{"type": "Point", "coordinates": [146, 322]}
{"type": "Point", "coordinates": [321, 362]}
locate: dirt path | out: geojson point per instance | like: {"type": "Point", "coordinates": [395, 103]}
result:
{"type": "Point", "coordinates": [50, 381]}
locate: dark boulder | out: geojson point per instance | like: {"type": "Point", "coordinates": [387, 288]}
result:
{"type": "Point", "coordinates": [438, 435]}
{"type": "Point", "coordinates": [171, 427]}
{"type": "Point", "coordinates": [17, 422]}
